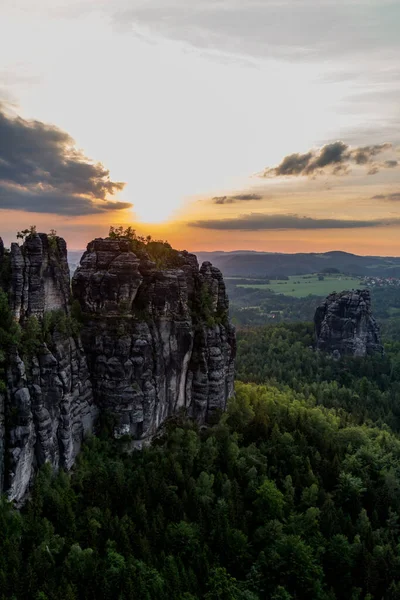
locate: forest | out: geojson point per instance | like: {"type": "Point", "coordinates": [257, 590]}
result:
{"type": "Point", "coordinates": [252, 306]}
{"type": "Point", "coordinates": [293, 494]}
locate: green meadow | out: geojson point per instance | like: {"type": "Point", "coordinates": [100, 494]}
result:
{"type": "Point", "coordinates": [301, 286]}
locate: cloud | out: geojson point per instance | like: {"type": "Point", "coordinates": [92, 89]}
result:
{"type": "Point", "coordinates": [53, 202]}
{"type": "Point", "coordinates": [294, 29]}
{"type": "Point", "coordinates": [293, 164]}
{"type": "Point", "coordinates": [236, 198]}
{"type": "Point", "coordinates": [259, 222]}
{"type": "Point", "coordinates": [374, 130]}
{"type": "Point", "coordinates": [363, 156]}
{"type": "Point", "coordinates": [394, 197]}
{"type": "Point", "coordinates": [334, 158]}
{"type": "Point", "coordinates": [42, 171]}
{"type": "Point", "coordinates": [373, 170]}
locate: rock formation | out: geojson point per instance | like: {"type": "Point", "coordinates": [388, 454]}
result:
{"type": "Point", "coordinates": [49, 404]}
{"type": "Point", "coordinates": [344, 325]}
{"type": "Point", "coordinates": [155, 338]}
{"type": "Point", "coordinates": [149, 346]}
{"type": "Point", "coordinates": [40, 276]}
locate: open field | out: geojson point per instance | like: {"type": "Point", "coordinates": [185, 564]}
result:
{"type": "Point", "coordinates": [305, 285]}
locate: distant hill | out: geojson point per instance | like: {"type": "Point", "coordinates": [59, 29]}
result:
{"type": "Point", "coordinates": [74, 257]}
{"type": "Point", "coordinates": [261, 264]}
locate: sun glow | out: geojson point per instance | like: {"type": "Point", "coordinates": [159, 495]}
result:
{"type": "Point", "coordinates": [151, 213]}
{"type": "Point", "coordinates": [156, 207]}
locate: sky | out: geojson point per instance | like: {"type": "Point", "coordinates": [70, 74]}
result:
{"type": "Point", "coordinates": [270, 125]}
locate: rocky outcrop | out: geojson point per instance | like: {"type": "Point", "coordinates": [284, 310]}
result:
{"type": "Point", "coordinates": [40, 276]}
{"type": "Point", "coordinates": [155, 339]}
{"type": "Point", "coordinates": [50, 409]}
{"type": "Point", "coordinates": [48, 402]}
{"type": "Point", "coordinates": [344, 325]}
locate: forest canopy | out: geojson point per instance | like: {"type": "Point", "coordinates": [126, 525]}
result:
{"type": "Point", "coordinates": [293, 494]}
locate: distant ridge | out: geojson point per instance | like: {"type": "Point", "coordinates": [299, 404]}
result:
{"type": "Point", "coordinates": [253, 263]}
{"type": "Point", "coordinates": [263, 264]}
{"type": "Point", "coordinates": [213, 252]}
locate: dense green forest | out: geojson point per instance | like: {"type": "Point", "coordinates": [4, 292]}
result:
{"type": "Point", "coordinates": [282, 499]}
{"type": "Point", "coordinates": [283, 356]}
{"type": "Point", "coordinates": [293, 494]}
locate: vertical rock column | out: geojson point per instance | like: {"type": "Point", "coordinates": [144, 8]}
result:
{"type": "Point", "coordinates": [212, 364]}
{"type": "Point", "coordinates": [344, 324]}
{"type": "Point", "coordinates": [40, 276]}
{"type": "Point", "coordinates": [49, 403]}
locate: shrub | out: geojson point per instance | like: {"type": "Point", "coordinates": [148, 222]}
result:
{"type": "Point", "coordinates": [159, 251]}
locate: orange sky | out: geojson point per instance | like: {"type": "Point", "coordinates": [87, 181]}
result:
{"type": "Point", "coordinates": [381, 241]}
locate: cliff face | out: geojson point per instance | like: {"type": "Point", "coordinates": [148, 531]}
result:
{"type": "Point", "coordinates": [156, 339]}
{"type": "Point", "coordinates": [344, 324]}
{"type": "Point", "coordinates": [153, 340]}
{"type": "Point", "coordinates": [50, 408]}
{"type": "Point", "coordinates": [48, 403]}
{"type": "Point", "coordinates": [40, 276]}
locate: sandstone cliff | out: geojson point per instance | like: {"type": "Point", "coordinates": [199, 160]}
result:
{"type": "Point", "coordinates": [40, 276]}
{"type": "Point", "coordinates": [155, 338]}
{"type": "Point", "coordinates": [49, 403]}
{"type": "Point", "coordinates": [344, 325]}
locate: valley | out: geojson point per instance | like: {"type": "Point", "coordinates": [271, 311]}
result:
{"type": "Point", "coordinates": [301, 286]}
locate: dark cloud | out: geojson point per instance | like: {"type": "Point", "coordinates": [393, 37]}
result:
{"type": "Point", "coordinates": [42, 171]}
{"type": "Point", "coordinates": [259, 222]}
{"type": "Point", "coordinates": [55, 202]}
{"type": "Point", "coordinates": [334, 158]}
{"type": "Point", "coordinates": [294, 164]}
{"type": "Point", "coordinates": [331, 154]}
{"type": "Point", "coordinates": [363, 156]}
{"type": "Point", "coordinates": [394, 197]}
{"type": "Point", "coordinates": [237, 198]}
